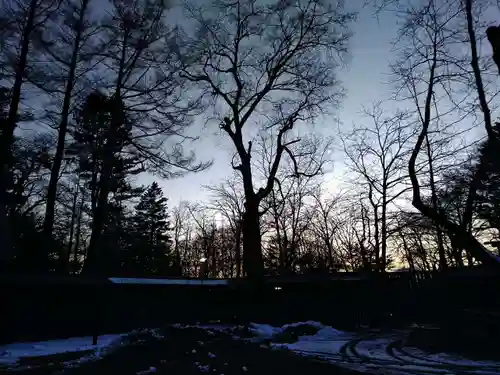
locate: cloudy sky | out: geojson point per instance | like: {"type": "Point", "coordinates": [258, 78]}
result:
{"type": "Point", "coordinates": [363, 78]}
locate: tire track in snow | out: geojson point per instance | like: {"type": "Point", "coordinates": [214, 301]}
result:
{"type": "Point", "coordinates": [372, 353]}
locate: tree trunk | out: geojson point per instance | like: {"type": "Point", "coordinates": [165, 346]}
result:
{"type": "Point", "coordinates": [383, 263]}
{"type": "Point", "coordinates": [178, 263]}
{"type": "Point", "coordinates": [252, 245]}
{"type": "Point", "coordinates": [78, 233]}
{"type": "Point", "coordinates": [409, 255]}
{"type": "Point", "coordinates": [331, 266]}
{"type": "Point", "coordinates": [48, 223]}
{"type": "Point", "coordinates": [376, 228]}
{"type": "Point", "coordinates": [365, 224]}
{"type": "Point", "coordinates": [442, 255]}
{"type": "Point", "coordinates": [92, 262]}
{"type": "Point", "coordinates": [457, 250]}
{"type": "Point", "coordinates": [101, 216]}
{"type": "Point", "coordinates": [64, 258]}
{"type": "Point", "coordinates": [8, 251]}
{"type": "Point", "coordinates": [238, 249]}
{"type": "Point", "coordinates": [213, 251]}
{"type": "Point", "coordinates": [328, 243]}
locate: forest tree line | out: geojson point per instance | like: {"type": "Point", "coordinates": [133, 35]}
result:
{"type": "Point", "coordinates": [93, 95]}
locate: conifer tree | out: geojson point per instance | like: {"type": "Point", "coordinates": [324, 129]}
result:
{"type": "Point", "coordinates": [152, 246]}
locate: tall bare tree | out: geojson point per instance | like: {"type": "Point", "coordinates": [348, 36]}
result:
{"type": "Point", "coordinates": [266, 62]}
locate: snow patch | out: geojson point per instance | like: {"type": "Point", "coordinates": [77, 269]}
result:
{"type": "Point", "coordinates": [266, 331]}
{"type": "Point", "coordinates": [204, 368]}
{"type": "Point", "coordinates": [263, 330]}
{"type": "Point", "coordinates": [148, 371]}
{"type": "Point", "coordinates": [11, 354]}
{"type": "Point", "coordinates": [373, 352]}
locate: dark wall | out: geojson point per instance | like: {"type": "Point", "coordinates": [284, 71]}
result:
{"type": "Point", "coordinates": [45, 308]}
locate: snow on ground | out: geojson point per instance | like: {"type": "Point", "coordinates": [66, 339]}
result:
{"type": "Point", "coordinates": [373, 352]}
{"type": "Point", "coordinates": [11, 354]}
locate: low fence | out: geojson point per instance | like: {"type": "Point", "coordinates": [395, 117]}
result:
{"type": "Point", "coordinates": [38, 308]}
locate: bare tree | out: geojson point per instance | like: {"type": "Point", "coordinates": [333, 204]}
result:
{"type": "Point", "coordinates": [266, 63]}
{"type": "Point", "coordinates": [432, 36]}
{"type": "Point", "coordinates": [327, 219]}
{"type": "Point", "coordinates": [206, 238]}
{"type": "Point", "coordinates": [290, 214]}
{"type": "Point", "coordinates": [228, 200]}
{"type": "Point", "coordinates": [377, 153]}
{"type": "Point", "coordinates": [179, 218]}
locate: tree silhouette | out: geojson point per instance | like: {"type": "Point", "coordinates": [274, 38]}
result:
{"type": "Point", "coordinates": [264, 62]}
{"type": "Point", "coordinates": [152, 244]}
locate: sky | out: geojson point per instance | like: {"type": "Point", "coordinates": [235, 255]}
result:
{"type": "Point", "coordinates": [363, 78]}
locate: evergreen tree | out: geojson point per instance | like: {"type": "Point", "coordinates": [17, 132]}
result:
{"type": "Point", "coordinates": [102, 147]}
{"type": "Point", "coordinates": [151, 226]}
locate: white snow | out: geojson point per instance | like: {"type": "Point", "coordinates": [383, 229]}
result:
{"type": "Point", "coordinates": [148, 371]}
{"type": "Point", "coordinates": [11, 354]}
{"type": "Point", "coordinates": [263, 330]}
{"type": "Point", "coordinates": [371, 352]}
{"type": "Point", "coordinates": [204, 368]}
{"type": "Point", "coordinates": [377, 354]}
{"type": "Point", "coordinates": [211, 355]}
{"type": "Point", "coordinates": [266, 331]}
